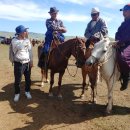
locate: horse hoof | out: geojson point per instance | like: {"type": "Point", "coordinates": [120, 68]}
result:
{"type": "Point", "coordinates": [60, 96]}
{"type": "Point", "coordinates": [95, 101]}
{"type": "Point", "coordinates": [47, 81]}
{"type": "Point", "coordinates": [42, 84]}
{"type": "Point", "coordinates": [82, 96]}
{"type": "Point", "coordinates": [50, 94]}
{"type": "Point", "coordinates": [107, 113]}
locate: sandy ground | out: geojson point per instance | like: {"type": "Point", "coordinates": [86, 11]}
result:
{"type": "Point", "coordinates": [70, 113]}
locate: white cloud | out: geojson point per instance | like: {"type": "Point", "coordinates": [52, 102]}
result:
{"type": "Point", "coordinates": [100, 3]}
{"type": "Point", "coordinates": [73, 17]}
{"type": "Point", "coordinates": [21, 10]}
{"type": "Point", "coordinates": [120, 1]}
{"type": "Point", "coordinates": [30, 11]}
{"type": "Point", "coordinates": [81, 2]}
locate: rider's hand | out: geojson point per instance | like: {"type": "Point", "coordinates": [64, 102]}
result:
{"type": "Point", "coordinates": [55, 32]}
{"type": "Point", "coordinates": [93, 38]}
{"type": "Point", "coordinates": [119, 44]}
{"type": "Point", "coordinates": [62, 29]}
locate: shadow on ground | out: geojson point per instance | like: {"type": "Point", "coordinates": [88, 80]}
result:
{"type": "Point", "coordinates": [51, 111]}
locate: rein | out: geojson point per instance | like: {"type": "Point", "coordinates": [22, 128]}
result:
{"type": "Point", "coordinates": [68, 59]}
{"type": "Point", "coordinates": [76, 58]}
{"type": "Point", "coordinates": [71, 74]}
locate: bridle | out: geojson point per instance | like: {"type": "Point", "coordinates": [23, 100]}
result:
{"type": "Point", "coordinates": [105, 58]}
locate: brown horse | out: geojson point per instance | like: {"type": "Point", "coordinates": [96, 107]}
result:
{"type": "Point", "coordinates": [59, 56]}
{"type": "Point", "coordinates": [35, 41]}
{"type": "Point", "coordinates": [92, 72]}
{"type": "Point", "coordinates": [44, 75]}
{"type": "Point", "coordinates": [44, 71]}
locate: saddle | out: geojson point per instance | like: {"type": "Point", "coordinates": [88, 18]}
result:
{"type": "Point", "coordinates": [55, 42]}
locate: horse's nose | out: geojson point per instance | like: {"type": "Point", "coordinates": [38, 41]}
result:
{"type": "Point", "coordinates": [88, 63]}
{"type": "Point", "coordinates": [91, 60]}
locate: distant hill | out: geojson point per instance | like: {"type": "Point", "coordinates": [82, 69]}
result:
{"type": "Point", "coordinates": [33, 35]}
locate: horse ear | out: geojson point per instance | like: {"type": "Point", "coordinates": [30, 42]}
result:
{"type": "Point", "coordinates": [101, 36]}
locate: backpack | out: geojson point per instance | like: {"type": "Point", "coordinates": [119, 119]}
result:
{"type": "Point", "coordinates": [11, 54]}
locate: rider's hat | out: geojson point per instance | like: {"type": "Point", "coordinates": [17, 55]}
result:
{"type": "Point", "coordinates": [126, 7]}
{"type": "Point", "coordinates": [95, 10]}
{"type": "Point", "coordinates": [53, 10]}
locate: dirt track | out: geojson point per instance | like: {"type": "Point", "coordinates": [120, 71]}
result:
{"type": "Point", "coordinates": [71, 113]}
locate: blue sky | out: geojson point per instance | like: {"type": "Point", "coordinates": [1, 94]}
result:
{"type": "Point", "coordinates": [75, 14]}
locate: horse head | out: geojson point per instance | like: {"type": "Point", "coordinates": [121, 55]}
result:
{"type": "Point", "coordinates": [79, 51]}
{"type": "Point", "coordinates": [99, 51]}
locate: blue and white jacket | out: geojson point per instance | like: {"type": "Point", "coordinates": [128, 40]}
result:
{"type": "Point", "coordinates": [52, 25]}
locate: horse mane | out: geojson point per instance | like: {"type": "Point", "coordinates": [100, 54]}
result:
{"type": "Point", "coordinates": [102, 41]}
{"type": "Point", "coordinates": [68, 42]}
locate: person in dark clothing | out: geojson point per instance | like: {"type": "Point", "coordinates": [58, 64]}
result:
{"type": "Point", "coordinates": [123, 45]}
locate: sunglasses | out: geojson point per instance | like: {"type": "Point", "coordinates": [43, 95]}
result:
{"type": "Point", "coordinates": [94, 14]}
{"type": "Point", "coordinates": [54, 13]}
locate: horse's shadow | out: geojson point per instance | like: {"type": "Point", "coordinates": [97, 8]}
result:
{"type": "Point", "coordinates": [50, 111]}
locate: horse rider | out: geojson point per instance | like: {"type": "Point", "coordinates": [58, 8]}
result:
{"type": "Point", "coordinates": [123, 45]}
{"type": "Point", "coordinates": [22, 59]}
{"type": "Point", "coordinates": [54, 27]}
{"type": "Point", "coordinates": [96, 28]}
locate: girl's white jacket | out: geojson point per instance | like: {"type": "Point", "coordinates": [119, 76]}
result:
{"type": "Point", "coordinates": [22, 50]}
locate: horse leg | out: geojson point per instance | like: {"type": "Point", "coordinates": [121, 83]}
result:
{"type": "Point", "coordinates": [59, 84]}
{"type": "Point", "coordinates": [84, 82]}
{"type": "Point", "coordinates": [42, 78]}
{"type": "Point", "coordinates": [93, 81]}
{"type": "Point", "coordinates": [110, 95]}
{"type": "Point", "coordinates": [51, 83]}
{"type": "Point", "coordinates": [99, 76]}
{"type": "Point", "coordinates": [46, 70]}
{"type": "Point", "coordinates": [46, 76]}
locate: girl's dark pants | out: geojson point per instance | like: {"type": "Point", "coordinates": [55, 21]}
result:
{"type": "Point", "coordinates": [19, 70]}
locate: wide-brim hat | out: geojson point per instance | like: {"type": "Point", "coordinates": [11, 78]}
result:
{"type": "Point", "coordinates": [53, 10]}
{"type": "Point", "coordinates": [126, 7]}
{"type": "Point", "coordinates": [20, 29]}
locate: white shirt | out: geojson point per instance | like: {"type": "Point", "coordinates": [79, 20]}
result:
{"type": "Point", "coordinates": [22, 50]}
{"type": "Point", "coordinates": [93, 23]}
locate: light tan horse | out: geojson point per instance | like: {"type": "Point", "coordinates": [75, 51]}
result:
{"type": "Point", "coordinates": [92, 72]}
